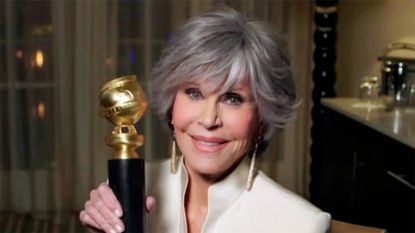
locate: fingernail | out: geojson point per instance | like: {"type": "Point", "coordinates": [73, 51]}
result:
{"type": "Point", "coordinates": [117, 213]}
{"type": "Point", "coordinates": [118, 227]}
{"type": "Point", "coordinates": [112, 231]}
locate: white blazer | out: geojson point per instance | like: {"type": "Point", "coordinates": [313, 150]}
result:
{"type": "Point", "coordinates": [268, 207]}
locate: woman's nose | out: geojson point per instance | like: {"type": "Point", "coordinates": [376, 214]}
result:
{"type": "Point", "coordinates": [210, 115]}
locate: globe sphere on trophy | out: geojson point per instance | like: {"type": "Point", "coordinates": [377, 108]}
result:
{"type": "Point", "coordinates": [123, 103]}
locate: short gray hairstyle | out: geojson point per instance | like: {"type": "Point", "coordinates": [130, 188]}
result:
{"type": "Point", "coordinates": [226, 48]}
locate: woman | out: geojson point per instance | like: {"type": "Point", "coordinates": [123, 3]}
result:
{"type": "Point", "coordinates": [224, 87]}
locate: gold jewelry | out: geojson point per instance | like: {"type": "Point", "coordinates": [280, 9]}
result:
{"type": "Point", "coordinates": [251, 173]}
{"type": "Point", "coordinates": [174, 158]}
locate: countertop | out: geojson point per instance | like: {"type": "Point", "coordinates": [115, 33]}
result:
{"type": "Point", "coordinates": [398, 123]}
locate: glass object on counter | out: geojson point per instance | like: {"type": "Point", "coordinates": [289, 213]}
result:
{"type": "Point", "coordinates": [369, 87]}
{"type": "Point", "coordinates": [411, 89]}
{"type": "Point", "coordinates": [370, 94]}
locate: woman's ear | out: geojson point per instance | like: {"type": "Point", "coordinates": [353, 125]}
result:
{"type": "Point", "coordinates": [261, 131]}
{"type": "Point", "coordinates": [170, 124]}
{"type": "Point", "coordinates": [169, 118]}
{"type": "Point", "coordinates": [258, 134]}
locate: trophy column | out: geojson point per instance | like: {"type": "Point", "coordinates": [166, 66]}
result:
{"type": "Point", "coordinates": [123, 103]}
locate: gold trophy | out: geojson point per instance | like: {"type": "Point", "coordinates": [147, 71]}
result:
{"type": "Point", "coordinates": [123, 103]}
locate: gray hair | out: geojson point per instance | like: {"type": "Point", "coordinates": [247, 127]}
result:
{"type": "Point", "coordinates": [226, 48]}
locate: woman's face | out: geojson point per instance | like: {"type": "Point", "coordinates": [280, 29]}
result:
{"type": "Point", "coordinates": [214, 130]}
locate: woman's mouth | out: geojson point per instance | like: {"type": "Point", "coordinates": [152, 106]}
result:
{"type": "Point", "coordinates": [208, 144]}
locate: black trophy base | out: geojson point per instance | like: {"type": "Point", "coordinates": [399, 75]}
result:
{"type": "Point", "coordinates": [127, 180]}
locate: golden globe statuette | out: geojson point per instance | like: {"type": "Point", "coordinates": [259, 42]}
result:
{"type": "Point", "coordinates": [123, 103]}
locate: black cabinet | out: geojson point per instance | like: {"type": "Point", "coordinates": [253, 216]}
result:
{"type": "Point", "coordinates": [363, 176]}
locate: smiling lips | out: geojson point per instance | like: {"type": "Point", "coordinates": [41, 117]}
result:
{"type": "Point", "coordinates": [208, 144]}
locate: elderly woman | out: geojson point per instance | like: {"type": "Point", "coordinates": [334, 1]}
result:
{"type": "Point", "coordinates": [224, 87]}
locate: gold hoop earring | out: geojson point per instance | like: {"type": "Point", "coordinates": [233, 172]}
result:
{"type": "Point", "coordinates": [252, 170]}
{"type": "Point", "coordinates": [174, 158]}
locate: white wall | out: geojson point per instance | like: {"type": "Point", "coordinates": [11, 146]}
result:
{"type": "Point", "coordinates": [365, 28]}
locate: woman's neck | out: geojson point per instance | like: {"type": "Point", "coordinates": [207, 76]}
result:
{"type": "Point", "coordinates": [196, 201]}
{"type": "Point", "coordinates": [196, 197]}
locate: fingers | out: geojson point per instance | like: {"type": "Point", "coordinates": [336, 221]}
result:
{"type": "Point", "coordinates": [103, 210]}
{"type": "Point", "coordinates": [109, 199]}
{"type": "Point", "coordinates": [86, 220]}
{"type": "Point", "coordinates": [150, 203]}
{"type": "Point", "coordinates": [101, 222]}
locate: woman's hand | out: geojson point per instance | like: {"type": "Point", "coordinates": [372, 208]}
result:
{"type": "Point", "coordinates": [103, 211]}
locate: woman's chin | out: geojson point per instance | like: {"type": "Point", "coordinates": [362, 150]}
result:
{"type": "Point", "coordinates": [203, 169]}
{"type": "Point", "coordinates": [209, 170]}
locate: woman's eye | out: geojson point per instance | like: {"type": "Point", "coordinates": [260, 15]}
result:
{"type": "Point", "coordinates": [233, 99]}
{"type": "Point", "coordinates": [193, 93]}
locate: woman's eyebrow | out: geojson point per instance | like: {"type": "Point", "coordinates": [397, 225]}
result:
{"type": "Point", "coordinates": [190, 83]}
{"type": "Point", "coordinates": [236, 88]}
